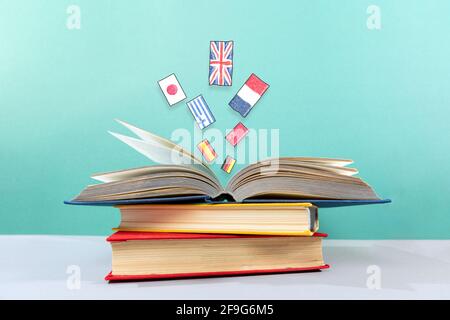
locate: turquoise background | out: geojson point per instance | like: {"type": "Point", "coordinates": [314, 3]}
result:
{"type": "Point", "coordinates": [337, 89]}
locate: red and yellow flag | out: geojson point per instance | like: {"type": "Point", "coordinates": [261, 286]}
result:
{"type": "Point", "coordinates": [207, 151]}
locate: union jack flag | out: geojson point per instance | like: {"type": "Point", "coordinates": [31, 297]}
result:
{"type": "Point", "coordinates": [220, 63]}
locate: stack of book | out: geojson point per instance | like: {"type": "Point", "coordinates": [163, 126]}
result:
{"type": "Point", "coordinates": [191, 240]}
{"type": "Point", "coordinates": [177, 220]}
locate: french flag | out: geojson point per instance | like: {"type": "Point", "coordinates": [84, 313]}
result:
{"type": "Point", "coordinates": [248, 95]}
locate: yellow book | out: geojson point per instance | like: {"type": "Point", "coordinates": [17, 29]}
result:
{"type": "Point", "coordinates": [298, 219]}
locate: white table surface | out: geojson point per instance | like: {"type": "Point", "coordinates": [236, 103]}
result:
{"type": "Point", "coordinates": [35, 267]}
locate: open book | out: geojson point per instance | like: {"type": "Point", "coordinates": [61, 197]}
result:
{"type": "Point", "coordinates": [180, 173]}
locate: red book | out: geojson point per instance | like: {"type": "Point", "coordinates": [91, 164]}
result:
{"type": "Point", "coordinates": [152, 256]}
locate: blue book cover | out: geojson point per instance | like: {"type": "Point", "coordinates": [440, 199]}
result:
{"type": "Point", "coordinates": [321, 203]}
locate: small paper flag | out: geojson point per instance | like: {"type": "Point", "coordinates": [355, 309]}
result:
{"type": "Point", "coordinates": [207, 151]}
{"type": "Point", "coordinates": [237, 134]}
{"type": "Point", "coordinates": [172, 89]}
{"type": "Point", "coordinates": [221, 63]}
{"type": "Point", "coordinates": [201, 112]}
{"type": "Point", "coordinates": [228, 164]}
{"type": "Point", "coordinates": [248, 95]}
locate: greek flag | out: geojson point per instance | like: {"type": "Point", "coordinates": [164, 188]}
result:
{"type": "Point", "coordinates": [200, 110]}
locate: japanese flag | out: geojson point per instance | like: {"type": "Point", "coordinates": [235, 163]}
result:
{"type": "Point", "coordinates": [172, 89]}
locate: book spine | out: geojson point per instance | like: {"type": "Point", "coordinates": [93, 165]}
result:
{"type": "Point", "coordinates": [223, 197]}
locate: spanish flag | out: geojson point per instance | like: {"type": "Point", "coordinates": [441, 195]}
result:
{"type": "Point", "coordinates": [207, 151]}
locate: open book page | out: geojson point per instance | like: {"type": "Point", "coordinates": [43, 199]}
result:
{"type": "Point", "coordinates": [165, 181]}
{"type": "Point", "coordinates": [149, 171]}
{"type": "Point", "coordinates": [270, 167]}
{"type": "Point", "coordinates": [299, 178]}
{"type": "Point", "coordinates": [159, 150]}
{"type": "Point", "coordinates": [331, 162]}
